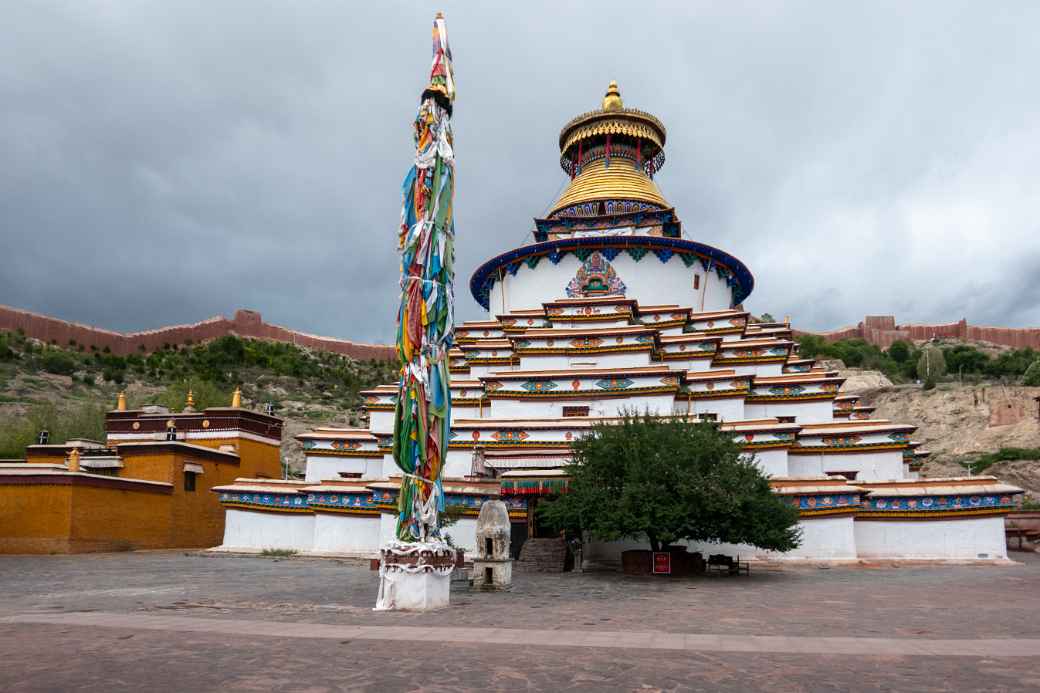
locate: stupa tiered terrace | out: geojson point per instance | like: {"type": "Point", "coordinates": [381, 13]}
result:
{"type": "Point", "coordinates": [613, 309]}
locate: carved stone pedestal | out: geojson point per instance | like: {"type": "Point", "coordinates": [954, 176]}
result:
{"type": "Point", "coordinates": [414, 577]}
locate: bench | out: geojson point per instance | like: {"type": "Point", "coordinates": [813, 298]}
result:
{"type": "Point", "coordinates": [723, 564]}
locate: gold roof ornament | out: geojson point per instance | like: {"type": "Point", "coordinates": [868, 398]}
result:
{"type": "Point", "coordinates": [611, 154]}
{"type": "Point", "coordinates": [236, 398]}
{"type": "Point", "coordinates": [612, 99]}
{"type": "Point", "coordinates": [121, 401]}
{"type": "Point", "coordinates": [74, 460]}
{"type": "Point", "coordinates": [189, 404]}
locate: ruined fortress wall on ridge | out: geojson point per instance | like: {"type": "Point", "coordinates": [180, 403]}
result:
{"type": "Point", "coordinates": [882, 330]}
{"type": "Point", "coordinates": [246, 323]}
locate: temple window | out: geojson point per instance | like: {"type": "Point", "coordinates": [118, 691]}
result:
{"type": "Point", "coordinates": [575, 411]}
{"type": "Point", "coordinates": [189, 481]}
{"type": "Point", "coordinates": [696, 282]}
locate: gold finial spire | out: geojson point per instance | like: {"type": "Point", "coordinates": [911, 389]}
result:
{"type": "Point", "coordinates": [121, 401]}
{"type": "Point", "coordinates": [74, 460]}
{"type": "Point", "coordinates": [236, 398]}
{"type": "Point", "coordinates": [612, 99]}
{"type": "Point", "coordinates": [189, 404]}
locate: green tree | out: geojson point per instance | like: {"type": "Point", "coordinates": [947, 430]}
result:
{"type": "Point", "coordinates": [931, 365]}
{"type": "Point", "coordinates": [963, 359]}
{"type": "Point", "coordinates": [1032, 374]}
{"type": "Point", "coordinates": [670, 480]}
{"type": "Point", "coordinates": [899, 351]}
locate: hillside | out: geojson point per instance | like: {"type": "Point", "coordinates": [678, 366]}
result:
{"type": "Point", "coordinates": [67, 390]}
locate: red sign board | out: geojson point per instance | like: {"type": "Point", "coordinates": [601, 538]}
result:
{"type": "Point", "coordinates": [662, 563]}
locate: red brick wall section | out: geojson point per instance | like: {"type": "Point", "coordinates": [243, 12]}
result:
{"type": "Point", "coordinates": [882, 330]}
{"type": "Point", "coordinates": [246, 323]}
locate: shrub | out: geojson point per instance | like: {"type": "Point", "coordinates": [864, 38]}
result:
{"type": "Point", "coordinates": [899, 351]}
{"type": "Point", "coordinates": [1032, 375]}
{"type": "Point", "coordinates": [931, 365]}
{"type": "Point", "coordinates": [57, 361]}
{"type": "Point", "coordinates": [670, 480]}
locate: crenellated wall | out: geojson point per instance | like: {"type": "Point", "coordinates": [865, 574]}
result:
{"type": "Point", "coordinates": [245, 323]}
{"type": "Point", "coordinates": [882, 330]}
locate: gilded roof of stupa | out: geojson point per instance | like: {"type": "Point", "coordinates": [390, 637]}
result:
{"type": "Point", "coordinates": [618, 181]}
{"type": "Point", "coordinates": [611, 153]}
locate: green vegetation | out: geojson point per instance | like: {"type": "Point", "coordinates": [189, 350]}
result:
{"type": "Point", "coordinates": [83, 420]}
{"type": "Point", "coordinates": [903, 362]}
{"type": "Point", "coordinates": [1032, 374]}
{"type": "Point", "coordinates": [983, 462]}
{"type": "Point", "coordinates": [224, 362]}
{"type": "Point", "coordinates": [266, 371]}
{"type": "Point", "coordinates": [669, 481]}
{"type": "Point", "coordinates": [931, 364]}
{"type": "Point", "coordinates": [858, 353]}
{"type": "Point", "coordinates": [279, 553]}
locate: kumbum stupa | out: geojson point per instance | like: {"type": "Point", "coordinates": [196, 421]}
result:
{"type": "Point", "coordinates": [612, 309]}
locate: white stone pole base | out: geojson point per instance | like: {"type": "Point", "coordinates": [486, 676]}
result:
{"type": "Point", "coordinates": [414, 577]}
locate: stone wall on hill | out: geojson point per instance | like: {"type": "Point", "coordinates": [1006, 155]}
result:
{"type": "Point", "coordinates": [882, 330]}
{"type": "Point", "coordinates": [245, 323]}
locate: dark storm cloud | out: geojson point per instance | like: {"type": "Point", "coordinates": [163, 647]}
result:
{"type": "Point", "coordinates": [163, 162]}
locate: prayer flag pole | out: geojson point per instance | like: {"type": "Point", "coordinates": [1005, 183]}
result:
{"type": "Point", "coordinates": [415, 568]}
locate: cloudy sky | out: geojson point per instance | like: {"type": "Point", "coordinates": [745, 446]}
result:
{"type": "Point", "coordinates": [164, 162]}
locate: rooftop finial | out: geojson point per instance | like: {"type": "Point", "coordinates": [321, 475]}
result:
{"type": "Point", "coordinates": [612, 99]}
{"type": "Point", "coordinates": [74, 460]}
{"type": "Point", "coordinates": [121, 401]}
{"type": "Point", "coordinates": [236, 398]}
{"type": "Point", "coordinates": [189, 404]}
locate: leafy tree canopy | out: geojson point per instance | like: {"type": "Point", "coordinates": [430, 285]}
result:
{"type": "Point", "coordinates": [670, 480]}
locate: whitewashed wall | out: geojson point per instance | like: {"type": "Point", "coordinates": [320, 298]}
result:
{"type": "Point", "coordinates": [772, 462]}
{"type": "Point", "coordinates": [816, 411]}
{"type": "Point", "coordinates": [551, 362]}
{"type": "Point", "coordinates": [649, 281]}
{"type": "Point", "coordinates": [321, 468]}
{"type": "Point", "coordinates": [248, 530]}
{"type": "Point", "coordinates": [729, 409]}
{"type": "Point", "coordinates": [967, 539]}
{"type": "Point", "coordinates": [541, 409]}
{"type": "Point", "coordinates": [880, 465]}
{"type": "Point", "coordinates": [342, 533]}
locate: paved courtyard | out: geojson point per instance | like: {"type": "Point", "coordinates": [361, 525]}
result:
{"type": "Point", "coordinates": [184, 621]}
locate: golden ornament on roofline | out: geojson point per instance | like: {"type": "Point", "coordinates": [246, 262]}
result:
{"type": "Point", "coordinates": [121, 401]}
{"type": "Point", "coordinates": [612, 99]}
{"type": "Point", "coordinates": [236, 398]}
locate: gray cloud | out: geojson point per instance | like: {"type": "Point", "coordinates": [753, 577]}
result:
{"type": "Point", "coordinates": [163, 162]}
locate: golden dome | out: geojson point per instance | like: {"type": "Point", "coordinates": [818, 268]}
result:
{"type": "Point", "coordinates": [612, 99]}
{"type": "Point", "coordinates": [618, 181]}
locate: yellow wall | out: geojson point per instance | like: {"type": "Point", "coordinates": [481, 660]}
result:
{"type": "Point", "coordinates": [34, 519]}
{"type": "Point", "coordinates": [44, 518]}
{"type": "Point", "coordinates": [108, 519]}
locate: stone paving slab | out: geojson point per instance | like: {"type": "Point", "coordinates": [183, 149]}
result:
{"type": "Point", "coordinates": [251, 623]}
{"type": "Point", "coordinates": [64, 658]}
{"type": "Point", "coordinates": [626, 640]}
{"type": "Point", "coordinates": [946, 602]}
